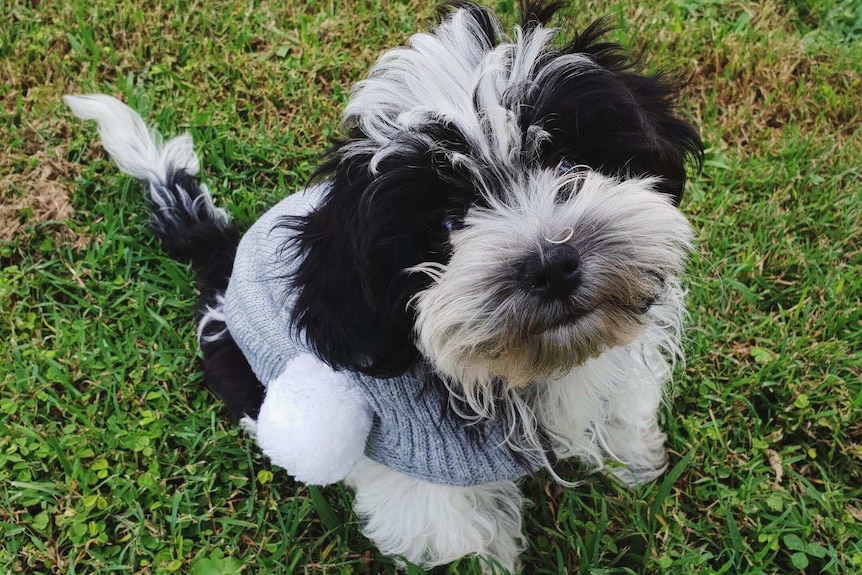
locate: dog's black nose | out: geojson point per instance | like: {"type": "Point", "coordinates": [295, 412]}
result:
{"type": "Point", "coordinates": [554, 273]}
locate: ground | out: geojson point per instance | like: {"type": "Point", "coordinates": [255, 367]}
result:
{"type": "Point", "coordinates": [114, 458]}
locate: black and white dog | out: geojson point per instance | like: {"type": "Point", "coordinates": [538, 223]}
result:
{"type": "Point", "coordinates": [482, 279]}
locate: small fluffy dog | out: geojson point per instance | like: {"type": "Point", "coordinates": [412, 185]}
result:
{"type": "Point", "coordinates": [482, 279]}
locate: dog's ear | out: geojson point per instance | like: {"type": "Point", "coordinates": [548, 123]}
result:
{"type": "Point", "coordinates": [605, 113]}
{"type": "Point", "coordinates": [672, 141]}
{"type": "Point", "coordinates": [352, 285]}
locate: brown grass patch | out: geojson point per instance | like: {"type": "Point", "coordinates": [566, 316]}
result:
{"type": "Point", "coordinates": [37, 196]}
{"type": "Point", "coordinates": [760, 82]}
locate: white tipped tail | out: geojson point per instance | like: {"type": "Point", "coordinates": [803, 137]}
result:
{"type": "Point", "coordinates": [182, 212]}
{"type": "Point", "coordinates": [136, 149]}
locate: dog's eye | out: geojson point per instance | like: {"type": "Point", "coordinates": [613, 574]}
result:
{"type": "Point", "coordinates": [450, 223]}
{"type": "Point", "coordinates": [572, 187]}
{"type": "Point", "coordinates": [438, 239]}
{"type": "Point", "coordinates": [564, 167]}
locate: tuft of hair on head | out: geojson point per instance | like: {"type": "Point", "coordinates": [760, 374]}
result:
{"type": "Point", "coordinates": [538, 12]}
{"type": "Point", "coordinates": [447, 125]}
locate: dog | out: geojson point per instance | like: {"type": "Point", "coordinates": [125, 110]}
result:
{"type": "Point", "coordinates": [483, 278]}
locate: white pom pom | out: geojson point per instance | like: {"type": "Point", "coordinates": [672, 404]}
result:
{"type": "Point", "coordinates": [313, 422]}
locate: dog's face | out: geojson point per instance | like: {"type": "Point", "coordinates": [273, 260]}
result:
{"type": "Point", "coordinates": [503, 208]}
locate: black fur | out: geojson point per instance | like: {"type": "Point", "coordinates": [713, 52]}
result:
{"type": "Point", "coordinates": [618, 121]}
{"type": "Point", "coordinates": [228, 374]}
{"type": "Point", "coordinates": [539, 12]}
{"type": "Point", "coordinates": [353, 290]}
{"type": "Point", "coordinates": [189, 233]}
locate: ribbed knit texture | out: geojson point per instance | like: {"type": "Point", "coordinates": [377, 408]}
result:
{"type": "Point", "coordinates": [410, 432]}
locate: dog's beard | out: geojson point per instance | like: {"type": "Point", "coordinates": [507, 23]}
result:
{"type": "Point", "coordinates": [478, 325]}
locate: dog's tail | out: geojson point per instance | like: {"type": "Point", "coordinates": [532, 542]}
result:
{"type": "Point", "coordinates": [191, 229]}
{"type": "Point", "coordinates": [182, 214]}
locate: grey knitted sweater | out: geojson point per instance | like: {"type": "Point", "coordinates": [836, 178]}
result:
{"type": "Point", "coordinates": [409, 432]}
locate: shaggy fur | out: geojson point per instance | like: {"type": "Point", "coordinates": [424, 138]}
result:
{"type": "Point", "coordinates": [503, 216]}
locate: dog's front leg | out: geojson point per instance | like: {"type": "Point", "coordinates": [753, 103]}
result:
{"type": "Point", "coordinates": [430, 524]}
{"type": "Point", "coordinates": [631, 436]}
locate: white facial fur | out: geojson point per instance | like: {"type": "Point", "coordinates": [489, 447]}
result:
{"type": "Point", "coordinates": [473, 324]}
{"type": "Point", "coordinates": [476, 322]}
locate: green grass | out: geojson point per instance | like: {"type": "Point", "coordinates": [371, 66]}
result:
{"type": "Point", "coordinates": [114, 459]}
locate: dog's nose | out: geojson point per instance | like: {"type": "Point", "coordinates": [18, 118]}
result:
{"type": "Point", "coordinates": [554, 273]}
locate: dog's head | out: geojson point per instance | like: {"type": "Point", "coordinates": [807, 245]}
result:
{"type": "Point", "coordinates": [504, 208]}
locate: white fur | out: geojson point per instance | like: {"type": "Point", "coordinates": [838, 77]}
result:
{"type": "Point", "coordinates": [439, 75]}
{"type": "Point", "coordinates": [604, 413]}
{"type": "Point", "coordinates": [625, 232]}
{"type": "Point", "coordinates": [313, 422]}
{"type": "Point", "coordinates": [213, 315]}
{"type": "Point", "coordinates": [430, 524]}
{"type": "Point", "coordinates": [139, 152]}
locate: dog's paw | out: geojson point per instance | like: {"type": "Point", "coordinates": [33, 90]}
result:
{"type": "Point", "coordinates": [643, 466]}
{"type": "Point", "coordinates": [635, 477]}
{"type": "Point", "coordinates": [313, 422]}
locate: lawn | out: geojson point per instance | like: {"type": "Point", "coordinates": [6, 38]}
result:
{"type": "Point", "coordinates": [113, 458]}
